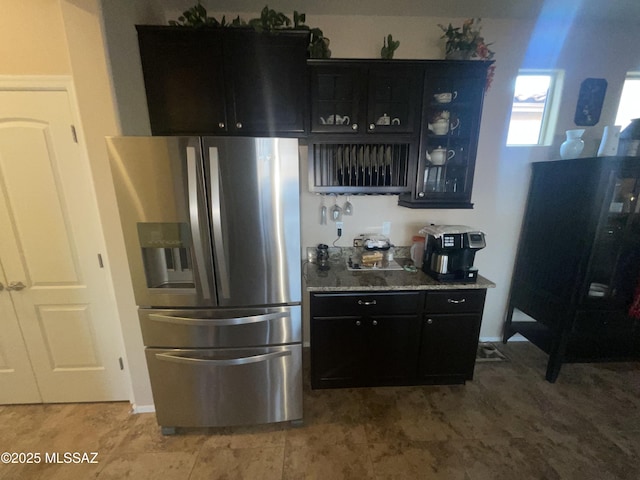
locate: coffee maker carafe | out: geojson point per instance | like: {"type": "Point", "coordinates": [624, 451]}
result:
{"type": "Point", "coordinates": [450, 252]}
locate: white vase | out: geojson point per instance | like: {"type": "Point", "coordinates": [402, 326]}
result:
{"type": "Point", "coordinates": [572, 147]}
{"type": "Point", "coordinates": [610, 140]}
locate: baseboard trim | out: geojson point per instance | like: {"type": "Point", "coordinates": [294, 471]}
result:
{"type": "Point", "coordinates": [516, 338]}
{"type": "Point", "coordinates": [136, 409]}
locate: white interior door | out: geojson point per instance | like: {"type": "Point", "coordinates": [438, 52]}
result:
{"type": "Point", "coordinates": [58, 313]}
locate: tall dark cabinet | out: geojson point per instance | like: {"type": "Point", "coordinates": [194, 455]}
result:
{"type": "Point", "coordinates": [577, 272]}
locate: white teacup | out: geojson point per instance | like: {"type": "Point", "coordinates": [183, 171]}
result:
{"type": "Point", "coordinates": [440, 126]}
{"type": "Point", "coordinates": [445, 97]}
{"type": "Point", "coordinates": [439, 156]}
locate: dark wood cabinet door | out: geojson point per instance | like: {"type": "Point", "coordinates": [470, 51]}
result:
{"type": "Point", "coordinates": [184, 80]}
{"type": "Point", "coordinates": [266, 80]}
{"type": "Point", "coordinates": [449, 344]}
{"type": "Point", "coordinates": [393, 101]}
{"type": "Point", "coordinates": [450, 126]}
{"type": "Point", "coordinates": [337, 352]}
{"type": "Point", "coordinates": [392, 349]}
{"type": "Point", "coordinates": [336, 98]}
{"type": "Point", "coordinates": [364, 338]}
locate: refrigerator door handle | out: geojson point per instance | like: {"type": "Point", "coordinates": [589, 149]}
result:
{"type": "Point", "coordinates": [178, 358]}
{"type": "Point", "coordinates": [214, 322]}
{"type": "Point", "coordinates": [192, 183]}
{"type": "Point", "coordinates": [216, 217]}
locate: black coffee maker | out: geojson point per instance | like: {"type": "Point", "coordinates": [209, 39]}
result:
{"type": "Point", "coordinates": [450, 251]}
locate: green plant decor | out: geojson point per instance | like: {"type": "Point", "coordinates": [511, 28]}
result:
{"type": "Point", "coordinates": [270, 21]}
{"type": "Point", "coordinates": [466, 42]}
{"type": "Point", "coordinates": [389, 47]}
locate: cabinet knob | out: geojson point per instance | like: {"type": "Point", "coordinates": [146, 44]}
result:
{"type": "Point", "coordinates": [221, 125]}
{"type": "Point", "coordinates": [354, 126]}
{"type": "Point", "coordinates": [239, 125]}
{"type": "Point", "coordinates": [374, 323]}
{"type": "Point", "coordinates": [358, 323]}
{"type": "Point", "coordinates": [372, 126]}
{"type": "Point", "coordinates": [429, 321]}
{"type": "Point", "coordinates": [421, 194]}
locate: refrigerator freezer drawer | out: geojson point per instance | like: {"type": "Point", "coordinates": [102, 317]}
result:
{"type": "Point", "coordinates": [215, 328]}
{"type": "Point", "coordinates": [207, 388]}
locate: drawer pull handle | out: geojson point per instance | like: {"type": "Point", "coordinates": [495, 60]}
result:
{"type": "Point", "coordinates": [429, 321]}
{"type": "Point", "coordinates": [358, 323]}
{"type": "Point", "coordinates": [375, 322]}
{"type": "Point", "coordinates": [365, 302]}
{"type": "Point", "coordinates": [451, 300]}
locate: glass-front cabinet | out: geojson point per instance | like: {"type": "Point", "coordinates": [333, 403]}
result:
{"type": "Point", "coordinates": [577, 271]}
{"type": "Point", "coordinates": [412, 124]}
{"type": "Point", "coordinates": [364, 96]}
{"type": "Point", "coordinates": [614, 266]}
{"type": "Point", "coordinates": [452, 107]}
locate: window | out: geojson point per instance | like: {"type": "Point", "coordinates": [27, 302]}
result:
{"type": "Point", "coordinates": [533, 111]}
{"type": "Point", "coordinates": [629, 106]}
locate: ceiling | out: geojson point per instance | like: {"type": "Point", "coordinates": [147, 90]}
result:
{"type": "Point", "coordinates": [597, 10]}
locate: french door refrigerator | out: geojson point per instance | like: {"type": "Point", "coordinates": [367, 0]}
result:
{"type": "Point", "coordinates": [212, 233]}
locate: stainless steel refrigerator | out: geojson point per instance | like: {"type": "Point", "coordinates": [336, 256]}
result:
{"type": "Point", "coordinates": [212, 231]}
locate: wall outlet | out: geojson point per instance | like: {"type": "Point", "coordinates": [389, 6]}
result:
{"type": "Point", "coordinates": [386, 228]}
{"type": "Point", "coordinates": [339, 228]}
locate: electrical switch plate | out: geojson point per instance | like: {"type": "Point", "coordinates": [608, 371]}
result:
{"type": "Point", "coordinates": [386, 228]}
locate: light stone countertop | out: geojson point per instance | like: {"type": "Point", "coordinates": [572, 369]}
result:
{"type": "Point", "coordinates": [339, 278]}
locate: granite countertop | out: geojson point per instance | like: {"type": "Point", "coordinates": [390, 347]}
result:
{"type": "Point", "coordinates": [339, 278]}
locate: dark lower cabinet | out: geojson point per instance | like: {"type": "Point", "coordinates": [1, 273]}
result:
{"type": "Point", "coordinates": [394, 338]}
{"type": "Point", "coordinates": [363, 339]}
{"type": "Point", "coordinates": [450, 331]}
{"type": "Point", "coordinates": [363, 351]}
{"type": "Point", "coordinates": [448, 348]}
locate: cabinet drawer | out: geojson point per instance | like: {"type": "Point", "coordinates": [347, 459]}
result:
{"type": "Point", "coordinates": [455, 301]}
{"type": "Point", "coordinates": [363, 303]}
{"type": "Point", "coordinates": [603, 322]}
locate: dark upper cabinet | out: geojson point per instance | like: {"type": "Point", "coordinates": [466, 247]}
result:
{"type": "Point", "coordinates": [224, 80]}
{"type": "Point", "coordinates": [451, 113]}
{"type": "Point", "coordinates": [364, 96]}
{"type": "Point", "coordinates": [417, 121]}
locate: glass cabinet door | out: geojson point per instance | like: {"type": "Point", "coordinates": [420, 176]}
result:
{"type": "Point", "coordinates": [392, 94]}
{"type": "Point", "coordinates": [449, 138]}
{"type": "Point", "coordinates": [614, 269]}
{"type": "Point", "coordinates": [336, 97]}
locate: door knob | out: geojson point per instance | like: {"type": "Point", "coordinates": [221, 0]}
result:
{"type": "Point", "coordinates": [16, 286]}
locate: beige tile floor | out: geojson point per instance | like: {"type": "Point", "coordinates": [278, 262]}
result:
{"type": "Point", "coordinates": [508, 423]}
